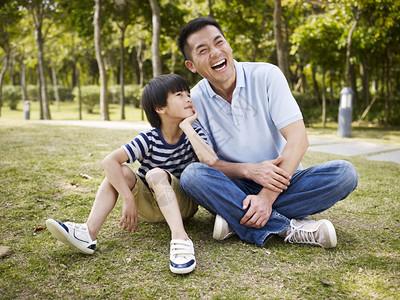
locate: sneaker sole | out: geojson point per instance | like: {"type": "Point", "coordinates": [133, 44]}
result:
{"type": "Point", "coordinates": [63, 236]}
{"type": "Point", "coordinates": [218, 233]}
{"type": "Point", "coordinates": [183, 270]}
{"type": "Point", "coordinates": [332, 234]}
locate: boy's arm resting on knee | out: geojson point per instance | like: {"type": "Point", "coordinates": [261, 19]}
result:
{"type": "Point", "coordinates": [203, 151]}
{"type": "Point", "coordinates": [112, 165]}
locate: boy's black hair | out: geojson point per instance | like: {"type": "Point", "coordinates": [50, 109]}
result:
{"type": "Point", "coordinates": [192, 27]}
{"type": "Point", "coordinates": [155, 95]}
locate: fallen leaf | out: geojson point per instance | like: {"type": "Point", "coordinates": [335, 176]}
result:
{"type": "Point", "coordinates": [39, 228]}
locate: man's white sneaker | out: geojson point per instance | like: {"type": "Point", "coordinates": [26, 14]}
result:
{"type": "Point", "coordinates": [181, 257]}
{"type": "Point", "coordinates": [74, 235]}
{"type": "Point", "coordinates": [319, 233]}
{"type": "Point", "coordinates": [222, 230]}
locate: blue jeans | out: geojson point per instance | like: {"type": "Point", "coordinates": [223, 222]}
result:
{"type": "Point", "coordinates": [311, 191]}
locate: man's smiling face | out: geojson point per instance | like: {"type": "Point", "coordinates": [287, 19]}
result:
{"type": "Point", "coordinates": [210, 55]}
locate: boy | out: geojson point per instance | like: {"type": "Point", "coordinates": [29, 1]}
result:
{"type": "Point", "coordinates": [153, 193]}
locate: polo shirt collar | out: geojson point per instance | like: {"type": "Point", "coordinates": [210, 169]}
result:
{"type": "Point", "coordinates": [240, 82]}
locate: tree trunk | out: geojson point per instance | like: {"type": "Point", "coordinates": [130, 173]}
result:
{"type": "Point", "coordinates": [388, 93]}
{"type": "Point", "coordinates": [55, 87]}
{"type": "Point", "coordinates": [348, 48]}
{"type": "Point", "coordinates": [121, 74]}
{"type": "Point", "coordinates": [140, 62]}
{"type": "Point", "coordinates": [364, 72]}
{"type": "Point", "coordinates": [78, 81]}
{"type": "Point", "coordinates": [11, 67]}
{"type": "Point", "coordinates": [281, 46]}
{"type": "Point", "coordinates": [100, 61]}
{"type": "Point", "coordinates": [42, 76]}
{"type": "Point", "coordinates": [323, 100]}
{"type": "Point", "coordinates": [173, 59]}
{"type": "Point", "coordinates": [39, 84]}
{"type": "Point", "coordinates": [210, 10]}
{"type": "Point", "coordinates": [155, 44]}
{"type": "Point", "coordinates": [331, 80]}
{"type": "Point", "coordinates": [316, 88]}
{"type": "Point", "coordinates": [353, 79]}
{"type": "Point", "coordinates": [24, 92]}
{"type": "Point", "coordinates": [2, 74]}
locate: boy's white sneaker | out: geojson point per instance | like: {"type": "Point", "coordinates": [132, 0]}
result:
{"type": "Point", "coordinates": [222, 230]}
{"type": "Point", "coordinates": [305, 231]}
{"type": "Point", "coordinates": [72, 234]}
{"type": "Point", "coordinates": [181, 256]}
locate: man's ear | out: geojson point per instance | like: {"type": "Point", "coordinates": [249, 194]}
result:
{"type": "Point", "coordinates": [189, 64]}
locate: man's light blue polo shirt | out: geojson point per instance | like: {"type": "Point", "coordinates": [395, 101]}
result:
{"type": "Point", "coordinates": [248, 129]}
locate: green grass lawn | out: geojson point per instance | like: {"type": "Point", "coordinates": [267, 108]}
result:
{"type": "Point", "coordinates": [69, 110]}
{"type": "Point", "coordinates": [41, 169]}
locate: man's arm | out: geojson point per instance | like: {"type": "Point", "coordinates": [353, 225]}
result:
{"type": "Point", "coordinates": [260, 206]}
{"type": "Point", "coordinates": [266, 173]}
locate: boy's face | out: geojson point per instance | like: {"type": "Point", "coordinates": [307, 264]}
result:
{"type": "Point", "coordinates": [211, 56]}
{"type": "Point", "coordinates": [179, 106]}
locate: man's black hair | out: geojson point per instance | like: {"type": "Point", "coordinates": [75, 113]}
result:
{"type": "Point", "coordinates": [192, 27]}
{"type": "Point", "coordinates": [155, 95]}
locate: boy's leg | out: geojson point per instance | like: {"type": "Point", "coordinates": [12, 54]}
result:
{"type": "Point", "coordinates": [105, 200]}
{"type": "Point", "coordinates": [182, 259]}
{"type": "Point", "coordinates": [159, 182]}
{"type": "Point", "coordinates": [82, 237]}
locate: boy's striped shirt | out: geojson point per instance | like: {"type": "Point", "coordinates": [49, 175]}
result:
{"type": "Point", "coordinates": [151, 150]}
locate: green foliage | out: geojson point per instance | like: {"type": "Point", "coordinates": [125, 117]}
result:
{"type": "Point", "coordinates": [132, 94]}
{"type": "Point", "coordinates": [65, 93]}
{"type": "Point", "coordinates": [33, 92]}
{"type": "Point", "coordinates": [316, 32]}
{"type": "Point", "coordinates": [11, 96]}
{"type": "Point", "coordinates": [90, 95]}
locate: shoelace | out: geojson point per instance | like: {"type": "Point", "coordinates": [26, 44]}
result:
{"type": "Point", "coordinates": [297, 235]}
{"type": "Point", "coordinates": [75, 225]}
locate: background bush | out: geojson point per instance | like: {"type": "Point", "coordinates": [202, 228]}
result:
{"type": "Point", "coordinates": [90, 96]}
{"type": "Point", "coordinates": [65, 93]}
{"type": "Point", "coordinates": [11, 96]}
{"type": "Point", "coordinates": [133, 94]}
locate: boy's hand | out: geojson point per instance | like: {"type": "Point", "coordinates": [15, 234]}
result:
{"type": "Point", "coordinates": [129, 215]}
{"type": "Point", "coordinates": [189, 120]}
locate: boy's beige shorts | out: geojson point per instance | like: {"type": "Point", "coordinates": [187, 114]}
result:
{"type": "Point", "coordinates": [147, 205]}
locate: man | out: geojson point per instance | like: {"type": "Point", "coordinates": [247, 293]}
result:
{"type": "Point", "coordinates": [258, 187]}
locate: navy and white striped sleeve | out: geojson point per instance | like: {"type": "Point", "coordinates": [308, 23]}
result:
{"type": "Point", "coordinates": [137, 149]}
{"type": "Point", "coordinates": [201, 133]}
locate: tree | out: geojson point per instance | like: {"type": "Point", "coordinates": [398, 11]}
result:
{"type": "Point", "coordinates": [281, 45]}
{"type": "Point", "coordinates": [9, 18]}
{"type": "Point", "coordinates": [155, 44]}
{"type": "Point", "coordinates": [102, 69]}
{"type": "Point", "coordinates": [319, 40]}
{"type": "Point", "coordinates": [123, 16]}
{"type": "Point", "coordinates": [40, 11]}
